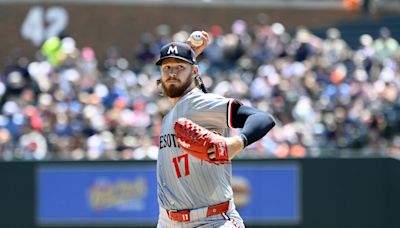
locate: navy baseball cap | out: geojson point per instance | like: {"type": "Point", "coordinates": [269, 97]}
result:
{"type": "Point", "coordinates": [177, 50]}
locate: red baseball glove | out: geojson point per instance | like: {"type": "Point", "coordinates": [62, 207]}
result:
{"type": "Point", "coordinates": [196, 140]}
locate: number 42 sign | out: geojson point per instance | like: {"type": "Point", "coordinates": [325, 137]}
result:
{"type": "Point", "coordinates": [41, 24]}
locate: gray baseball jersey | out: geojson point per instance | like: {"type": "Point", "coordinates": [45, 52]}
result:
{"type": "Point", "coordinates": [185, 182]}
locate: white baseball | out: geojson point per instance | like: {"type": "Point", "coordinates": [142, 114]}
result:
{"type": "Point", "coordinates": [196, 38]}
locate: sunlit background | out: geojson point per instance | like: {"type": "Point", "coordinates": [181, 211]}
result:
{"type": "Point", "coordinates": [80, 111]}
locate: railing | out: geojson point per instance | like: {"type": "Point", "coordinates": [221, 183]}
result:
{"type": "Point", "coordinates": [208, 3]}
{"type": "Point", "coordinates": [385, 5]}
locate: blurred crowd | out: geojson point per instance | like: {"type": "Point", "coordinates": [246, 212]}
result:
{"type": "Point", "coordinates": [328, 99]}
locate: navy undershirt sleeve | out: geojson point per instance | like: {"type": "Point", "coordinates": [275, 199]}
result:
{"type": "Point", "coordinates": [255, 124]}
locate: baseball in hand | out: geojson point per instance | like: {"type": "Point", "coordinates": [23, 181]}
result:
{"type": "Point", "coordinates": [196, 38]}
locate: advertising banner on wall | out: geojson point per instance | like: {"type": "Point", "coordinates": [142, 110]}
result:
{"type": "Point", "coordinates": [125, 194]}
{"type": "Point", "coordinates": [96, 194]}
{"type": "Point", "coordinates": [268, 194]}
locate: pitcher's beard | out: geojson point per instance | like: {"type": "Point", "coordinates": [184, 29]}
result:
{"type": "Point", "coordinates": [173, 91]}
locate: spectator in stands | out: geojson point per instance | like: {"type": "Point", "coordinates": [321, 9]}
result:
{"type": "Point", "coordinates": [6, 145]}
{"type": "Point", "coordinates": [334, 48]}
{"type": "Point", "coordinates": [385, 46]}
{"type": "Point", "coordinates": [32, 144]}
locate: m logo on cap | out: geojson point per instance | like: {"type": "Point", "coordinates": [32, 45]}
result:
{"type": "Point", "coordinates": [172, 49]}
{"type": "Point", "coordinates": [177, 50]}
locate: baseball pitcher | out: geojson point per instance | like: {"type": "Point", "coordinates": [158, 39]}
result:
{"type": "Point", "coordinates": [193, 167]}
